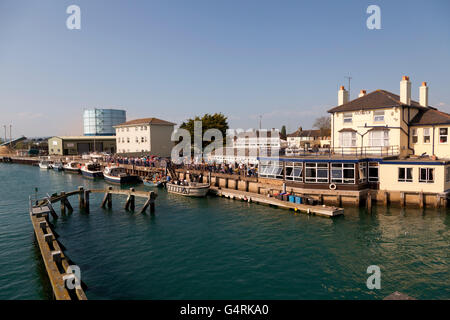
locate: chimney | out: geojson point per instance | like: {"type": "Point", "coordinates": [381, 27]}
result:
{"type": "Point", "coordinates": [362, 93]}
{"type": "Point", "coordinates": [342, 96]}
{"type": "Point", "coordinates": [405, 91]}
{"type": "Point", "coordinates": [423, 93]}
{"type": "Point", "coordinates": [300, 129]}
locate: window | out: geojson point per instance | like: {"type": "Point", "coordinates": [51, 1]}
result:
{"type": "Point", "coordinates": [142, 139]}
{"type": "Point", "coordinates": [379, 138]}
{"type": "Point", "coordinates": [348, 118]}
{"type": "Point", "coordinates": [415, 137]}
{"type": "Point", "coordinates": [316, 172]}
{"type": "Point", "coordinates": [405, 175]}
{"type": "Point", "coordinates": [294, 171]}
{"type": "Point", "coordinates": [348, 139]}
{"type": "Point", "coordinates": [378, 116]}
{"type": "Point", "coordinates": [343, 172]}
{"type": "Point", "coordinates": [362, 172]}
{"type": "Point", "coordinates": [443, 134]}
{"type": "Point", "coordinates": [426, 135]}
{"type": "Point", "coordinates": [426, 175]}
{"type": "Point", "coordinates": [373, 171]}
{"type": "Point", "coordinates": [271, 169]}
{"type": "Point", "coordinates": [128, 140]}
{"type": "Point", "coordinates": [447, 174]}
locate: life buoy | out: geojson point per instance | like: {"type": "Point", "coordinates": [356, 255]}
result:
{"type": "Point", "coordinates": [332, 186]}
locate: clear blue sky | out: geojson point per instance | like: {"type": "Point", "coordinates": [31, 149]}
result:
{"type": "Point", "coordinates": [176, 59]}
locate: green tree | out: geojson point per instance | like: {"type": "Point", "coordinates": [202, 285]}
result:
{"type": "Point", "coordinates": [209, 121]}
{"type": "Point", "coordinates": [283, 131]}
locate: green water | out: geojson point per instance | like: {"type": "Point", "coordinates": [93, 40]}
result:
{"type": "Point", "coordinates": [216, 248]}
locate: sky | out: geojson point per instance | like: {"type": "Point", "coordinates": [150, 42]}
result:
{"type": "Point", "coordinates": [282, 60]}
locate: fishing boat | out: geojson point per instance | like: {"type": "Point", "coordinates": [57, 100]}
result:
{"type": "Point", "coordinates": [72, 167]}
{"type": "Point", "coordinates": [91, 170]}
{"type": "Point", "coordinates": [118, 175]}
{"type": "Point", "coordinates": [44, 164]}
{"type": "Point", "coordinates": [57, 166]}
{"type": "Point", "coordinates": [190, 189]}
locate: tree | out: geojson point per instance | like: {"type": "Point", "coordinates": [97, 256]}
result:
{"type": "Point", "coordinates": [214, 121]}
{"type": "Point", "coordinates": [323, 124]}
{"type": "Point", "coordinates": [283, 131]}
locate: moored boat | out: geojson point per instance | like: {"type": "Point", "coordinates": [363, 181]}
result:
{"type": "Point", "coordinates": [72, 167]}
{"type": "Point", "coordinates": [57, 166]}
{"type": "Point", "coordinates": [151, 183]}
{"type": "Point", "coordinates": [191, 189]}
{"type": "Point", "coordinates": [118, 175]}
{"type": "Point", "coordinates": [44, 164]}
{"type": "Point", "coordinates": [92, 170]}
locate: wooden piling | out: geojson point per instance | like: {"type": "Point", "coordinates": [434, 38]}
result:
{"type": "Point", "coordinates": [63, 204]}
{"type": "Point", "coordinates": [402, 199]}
{"type": "Point", "coordinates": [369, 202]}
{"type": "Point", "coordinates": [385, 198]}
{"type": "Point", "coordinates": [107, 199]}
{"type": "Point", "coordinates": [129, 205]}
{"type": "Point", "coordinates": [81, 197]}
{"type": "Point", "coordinates": [86, 200]}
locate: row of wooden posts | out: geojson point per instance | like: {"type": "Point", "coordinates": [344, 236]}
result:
{"type": "Point", "coordinates": [84, 199]}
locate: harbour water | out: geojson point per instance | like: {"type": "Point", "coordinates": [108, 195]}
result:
{"type": "Point", "coordinates": [216, 248]}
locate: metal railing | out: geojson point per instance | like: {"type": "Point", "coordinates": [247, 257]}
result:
{"type": "Point", "coordinates": [384, 151]}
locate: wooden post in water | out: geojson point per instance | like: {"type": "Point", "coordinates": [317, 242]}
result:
{"type": "Point", "coordinates": [68, 205]}
{"type": "Point", "coordinates": [402, 199]}
{"type": "Point", "coordinates": [107, 199]}
{"type": "Point", "coordinates": [63, 204]}
{"type": "Point", "coordinates": [150, 202]}
{"type": "Point", "coordinates": [86, 200]}
{"type": "Point", "coordinates": [81, 197]}
{"type": "Point", "coordinates": [129, 205]}
{"type": "Point", "coordinates": [385, 198]}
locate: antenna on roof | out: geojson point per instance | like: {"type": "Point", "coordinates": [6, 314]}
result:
{"type": "Point", "coordinates": [349, 80]}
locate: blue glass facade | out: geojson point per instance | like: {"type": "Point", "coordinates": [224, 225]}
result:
{"type": "Point", "coordinates": [100, 122]}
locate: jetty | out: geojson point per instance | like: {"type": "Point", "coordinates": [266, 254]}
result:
{"type": "Point", "coordinates": [319, 210]}
{"type": "Point", "coordinates": [66, 285]}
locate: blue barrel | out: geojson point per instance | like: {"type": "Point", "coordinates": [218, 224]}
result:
{"type": "Point", "coordinates": [292, 199]}
{"type": "Point", "coordinates": [298, 200]}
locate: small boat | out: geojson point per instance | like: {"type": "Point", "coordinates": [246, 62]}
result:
{"type": "Point", "coordinates": [92, 170]}
{"type": "Point", "coordinates": [57, 166]}
{"type": "Point", "coordinates": [44, 164]}
{"type": "Point", "coordinates": [150, 183]}
{"type": "Point", "coordinates": [191, 189]}
{"type": "Point", "coordinates": [118, 175]}
{"type": "Point", "coordinates": [72, 167]}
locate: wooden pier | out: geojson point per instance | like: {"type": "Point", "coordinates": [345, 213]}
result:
{"type": "Point", "coordinates": [58, 266]}
{"type": "Point", "coordinates": [319, 210]}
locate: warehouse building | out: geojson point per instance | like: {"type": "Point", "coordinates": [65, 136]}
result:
{"type": "Point", "coordinates": [79, 145]}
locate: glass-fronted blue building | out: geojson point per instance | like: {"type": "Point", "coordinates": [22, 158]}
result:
{"type": "Point", "coordinates": [100, 122]}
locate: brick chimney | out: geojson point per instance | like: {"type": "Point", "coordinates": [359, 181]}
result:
{"type": "Point", "coordinates": [342, 96]}
{"type": "Point", "coordinates": [362, 93]}
{"type": "Point", "coordinates": [423, 95]}
{"type": "Point", "coordinates": [405, 91]}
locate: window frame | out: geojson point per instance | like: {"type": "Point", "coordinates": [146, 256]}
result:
{"type": "Point", "coordinates": [342, 168]}
{"type": "Point", "coordinates": [317, 166]}
{"type": "Point", "coordinates": [441, 135]}
{"type": "Point", "coordinates": [414, 136]}
{"type": "Point", "coordinates": [426, 135]}
{"type": "Point", "coordinates": [378, 114]}
{"type": "Point", "coordinates": [346, 116]}
{"type": "Point", "coordinates": [427, 175]}
{"type": "Point", "coordinates": [371, 178]}
{"type": "Point", "coordinates": [405, 178]}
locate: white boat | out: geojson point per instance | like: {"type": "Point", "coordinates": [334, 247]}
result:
{"type": "Point", "coordinates": [118, 175]}
{"type": "Point", "coordinates": [92, 170]}
{"type": "Point", "coordinates": [72, 167]}
{"type": "Point", "coordinates": [57, 166]}
{"type": "Point", "coordinates": [191, 189]}
{"type": "Point", "coordinates": [44, 164]}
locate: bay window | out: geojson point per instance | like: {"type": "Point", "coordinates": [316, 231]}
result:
{"type": "Point", "coordinates": [379, 138]}
{"type": "Point", "coordinates": [348, 139]}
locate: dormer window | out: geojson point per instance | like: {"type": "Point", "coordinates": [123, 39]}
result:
{"type": "Point", "coordinates": [378, 116]}
{"type": "Point", "coordinates": [348, 118]}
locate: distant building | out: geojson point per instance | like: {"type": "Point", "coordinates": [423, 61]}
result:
{"type": "Point", "coordinates": [101, 122]}
{"type": "Point", "coordinates": [305, 139]}
{"type": "Point", "coordinates": [78, 145]}
{"type": "Point", "coordinates": [145, 136]}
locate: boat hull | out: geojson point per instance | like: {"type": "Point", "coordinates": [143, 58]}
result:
{"type": "Point", "coordinates": [121, 180]}
{"type": "Point", "coordinates": [92, 174]}
{"type": "Point", "coordinates": [188, 191]}
{"type": "Point", "coordinates": [72, 170]}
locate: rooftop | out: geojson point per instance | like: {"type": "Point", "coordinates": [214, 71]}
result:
{"type": "Point", "coordinates": [430, 116]}
{"type": "Point", "coordinates": [146, 121]}
{"type": "Point", "coordinates": [310, 133]}
{"type": "Point", "coordinates": [375, 100]}
{"type": "Point", "coordinates": [85, 137]}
